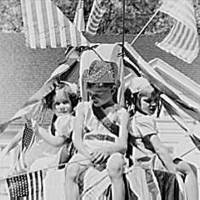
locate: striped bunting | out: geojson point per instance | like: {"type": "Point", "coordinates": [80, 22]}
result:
{"type": "Point", "coordinates": [79, 16]}
{"type": "Point", "coordinates": [26, 187]}
{"type": "Point", "coordinates": [46, 26]}
{"type": "Point", "coordinates": [96, 14]}
{"type": "Point", "coordinates": [182, 40]}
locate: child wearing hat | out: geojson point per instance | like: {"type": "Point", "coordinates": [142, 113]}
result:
{"type": "Point", "coordinates": [143, 99]}
{"type": "Point", "coordinates": [100, 131]}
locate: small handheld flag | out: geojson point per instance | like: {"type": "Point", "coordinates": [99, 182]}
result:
{"type": "Point", "coordinates": [26, 186]}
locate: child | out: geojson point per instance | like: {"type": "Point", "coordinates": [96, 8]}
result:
{"type": "Point", "coordinates": [100, 134]}
{"type": "Point", "coordinates": [145, 98]}
{"type": "Point", "coordinates": [62, 102]}
{"type": "Point", "coordinates": [46, 145]}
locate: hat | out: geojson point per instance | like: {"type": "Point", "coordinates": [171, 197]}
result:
{"type": "Point", "coordinates": [101, 72]}
{"type": "Point", "coordinates": [138, 84]}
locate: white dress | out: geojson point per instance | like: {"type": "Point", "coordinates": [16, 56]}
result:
{"type": "Point", "coordinates": [54, 185]}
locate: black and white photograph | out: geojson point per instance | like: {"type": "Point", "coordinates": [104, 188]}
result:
{"type": "Point", "coordinates": [99, 100]}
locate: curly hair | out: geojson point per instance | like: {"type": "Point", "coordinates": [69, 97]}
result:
{"type": "Point", "coordinates": [49, 99]}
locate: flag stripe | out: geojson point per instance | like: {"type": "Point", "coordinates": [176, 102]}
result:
{"type": "Point", "coordinates": [181, 37]}
{"type": "Point", "coordinates": [46, 26]}
{"type": "Point", "coordinates": [32, 186]}
{"type": "Point", "coordinates": [25, 23]}
{"type": "Point", "coordinates": [46, 34]}
{"type": "Point", "coordinates": [79, 21]}
{"type": "Point", "coordinates": [185, 38]}
{"type": "Point", "coordinates": [40, 24]}
{"type": "Point", "coordinates": [176, 10]}
{"type": "Point", "coordinates": [51, 24]}
{"type": "Point", "coordinates": [34, 18]}
{"type": "Point", "coordinates": [175, 36]}
{"type": "Point", "coordinates": [182, 40]}
{"type": "Point", "coordinates": [183, 43]}
{"type": "Point", "coordinates": [68, 33]}
{"type": "Point", "coordinates": [37, 186]}
{"type": "Point", "coordinates": [41, 185]}
{"type": "Point", "coordinates": [32, 38]}
{"type": "Point", "coordinates": [73, 35]}
{"type": "Point", "coordinates": [56, 28]}
{"type": "Point", "coordinates": [95, 17]}
{"type": "Point", "coordinates": [170, 36]}
{"type": "Point", "coordinates": [62, 30]}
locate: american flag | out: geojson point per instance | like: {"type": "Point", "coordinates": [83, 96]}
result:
{"type": "Point", "coordinates": [182, 40]}
{"type": "Point", "coordinates": [96, 14]}
{"type": "Point", "coordinates": [28, 107]}
{"type": "Point", "coordinates": [28, 186]}
{"type": "Point", "coordinates": [28, 135]}
{"type": "Point", "coordinates": [46, 26]}
{"type": "Point", "coordinates": [79, 21]}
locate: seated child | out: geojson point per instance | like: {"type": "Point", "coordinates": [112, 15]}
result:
{"type": "Point", "coordinates": [144, 98]}
{"type": "Point", "coordinates": [41, 147]}
{"type": "Point", "coordinates": [100, 131]}
{"type": "Point", "coordinates": [62, 102]}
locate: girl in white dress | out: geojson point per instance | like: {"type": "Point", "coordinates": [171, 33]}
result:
{"type": "Point", "coordinates": [144, 98]}
{"type": "Point", "coordinates": [46, 143]}
{"type": "Point", "coordinates": [62, 102]}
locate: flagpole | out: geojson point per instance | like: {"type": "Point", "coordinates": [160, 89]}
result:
{"type": "Point", "coordinates": [145, 26]}
{"type": "Point", "coordinates": [121, 89]}
{"type": "Point", "coordinates": [123, 26]}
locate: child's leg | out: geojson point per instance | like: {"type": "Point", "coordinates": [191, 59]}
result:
{"type": "Point", "coordinates": [115, 166]}
{"type": "Point", "coordinates": [76, 164]}
{"type": "Point", "coordinates": [191, 183]}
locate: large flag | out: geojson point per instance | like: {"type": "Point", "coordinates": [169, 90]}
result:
{"type": "Point", "coordinates": [46, 26]}
{"type": "Point", "coordinates": [183, 101]}
{"type": "Point", "coordinates": [182, 40]}
{"type": "Point", "coordinates": [175, 113]}
{"type": "Point", "coordinates": [96, 14]}
{"type": "Point", "coordinates": [176, 79]}
{"type": "Point", "coordinates": [28, 186]}
{"type": "Point", "coordinates": [79, 21]}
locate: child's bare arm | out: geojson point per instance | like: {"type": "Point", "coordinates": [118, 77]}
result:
{"type": "Point", "coordinates": [56, 141]}
{"type": "Point", "coordinates": [162, 153]}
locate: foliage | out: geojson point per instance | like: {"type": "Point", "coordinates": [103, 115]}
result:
{"type": "Point", "coordinates": [137, 13]}
{"type": "Point", "coordinates": [10, 15]}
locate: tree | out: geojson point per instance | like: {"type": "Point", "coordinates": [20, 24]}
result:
{"type": "Point", "coordinates": [137, 14]}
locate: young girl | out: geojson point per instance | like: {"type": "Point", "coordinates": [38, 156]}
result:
{"type": "Point", "coordinates": [144, 99]}
{"type": "Point", "coordinates": [46, 145]}
{"type": "Point", "coordinates": [62, 102]}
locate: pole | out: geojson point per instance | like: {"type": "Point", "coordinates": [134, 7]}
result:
{"type": "Point", "coordinates": [123, 26]}
{"type": "Point", "coordinates": [120, 96]}
{"type": "Point", "coordinates": [145, 26]}
{"type": "Point", "coordinates": [189, 151]}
